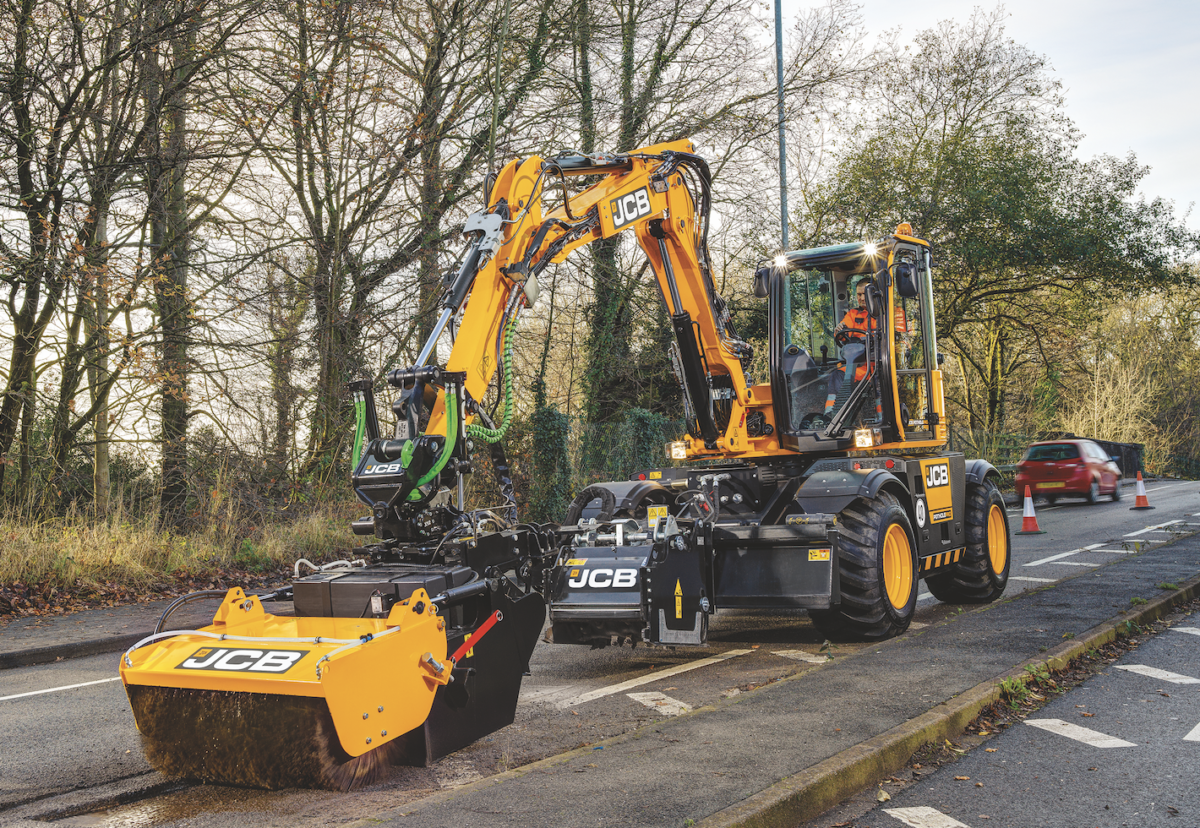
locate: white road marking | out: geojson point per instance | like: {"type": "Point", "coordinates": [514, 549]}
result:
{"type": "Point", "coordinates": [1116, 551]}
{"type": "Point", "coordinates": [646, 679]}
{"type": "Point", "coordinates": [1158, 527]}
{"type": "Point", "coordinates": [548, 694]}
{"type": "Point", "coordinates": [1061, 555]}
{"type": "Point", "coordinates": [660, 703]}
{"type": "Point", "coordinates": [1079, 734]}
{"type": "Point", "coordinates": [924, 596]}
{"type": "Point", "coordinates": [1154, 672]}
{"type": "Point", "coordinates": [1077, 563]}
{"type": "Point", "coordinates": [800, 655]}
{"type": "Point", "coordinates": [1189, 630]}
{"type": "Point", "coordinates": [56, 689]}
{"type": "Point", "coordinates": [924, 817]}
{"type": "Point", "coordinates": [1159, 488]}
{"type": "Point", "coordinates": [1033, 580]}
{"type": "Point", "coordinates": [1194, 736]}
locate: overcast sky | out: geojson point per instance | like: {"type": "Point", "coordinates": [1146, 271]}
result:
{"type": "Point", "coordinates": [1130, 72]}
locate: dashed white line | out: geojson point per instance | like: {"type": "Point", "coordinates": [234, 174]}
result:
{"type": "Point", "coordinates": [1154, 672]}
{"type": "Point", "coordinates": [1080, 734]}
{"type": "Point", "coordinates": [1033, 580]}
{"type": "Point", "coordinates": [1061, 555]}
{"type": "Point", "coordinates": [1116, 551]}
{"type": "Point", "coordinates": [1189, 630]}
{"type": "Point", "coordinates": [601, 692]}
{"type": "Point", "coordinates": [800, 655]}
{"type": "Point", "coordinates": [1158, 527]}
{"type": "Point", "coordinates": [661, 703]}
{"type": "Point", "coordinates": [56, 689]}
{"type": "Point", "coordinates": [549, 694]}
{"type": "Point", "coordinates": [924, 817]}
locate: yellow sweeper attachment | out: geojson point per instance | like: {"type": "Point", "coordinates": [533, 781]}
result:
{"type": "Point", "coordinates": [272, 701]}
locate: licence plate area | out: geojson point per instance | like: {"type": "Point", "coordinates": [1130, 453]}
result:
{"type": "Point", "coordinates": [1058, 484]}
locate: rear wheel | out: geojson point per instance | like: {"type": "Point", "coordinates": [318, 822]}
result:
{"type": "Point", "coordinates": [1116, 493]}
{"type": "Point", "coordinates": [981, 574]}
{"type": "Point", "coordinates": [877, 568]}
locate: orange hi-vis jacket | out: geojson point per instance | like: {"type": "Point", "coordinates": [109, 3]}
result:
{"type": "Point", "coordinates": [856, 321]}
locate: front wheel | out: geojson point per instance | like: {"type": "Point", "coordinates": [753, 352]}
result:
{"type": "Point", "coordinates": [877, 568]}
{"type": "Point", "coordinates": [981, 574]}
{"type": "Point", "coordinates": [1116, 493]}
{"type": "Point", "coordinates": [1093, 492]}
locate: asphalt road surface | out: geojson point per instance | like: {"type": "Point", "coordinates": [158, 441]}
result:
{"type": "Point", "coordinates": [69, 738]}
{"type": "Point", "coordinates": [1122, 749]}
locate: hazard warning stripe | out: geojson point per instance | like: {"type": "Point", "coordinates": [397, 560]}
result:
{"type": "Point", "coordinates": [941, 559]}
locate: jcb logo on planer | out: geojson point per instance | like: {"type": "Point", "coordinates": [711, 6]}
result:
{"type": "Point", "coordinates": [937, 475]}
{"type": "Point", "coordinates": [230, 660]}
{"type": "Point", "coordinates": [630, 207]}
{"type": "Point", "coordinates": [603, 578]}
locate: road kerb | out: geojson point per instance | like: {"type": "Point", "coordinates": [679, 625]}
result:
{"type": "Point", "coordinates": [813, 791]}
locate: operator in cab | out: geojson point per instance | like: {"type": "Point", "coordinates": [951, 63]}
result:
{"type": "Point", "coordinates": [851, 335]}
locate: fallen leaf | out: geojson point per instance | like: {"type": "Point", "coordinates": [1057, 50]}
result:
{"type": "Point", "coordinates": [882, 796]}
{"type": "Point", "coordinates": [961, 778]}
{"type": "Point", "coordinates": [989, 750]}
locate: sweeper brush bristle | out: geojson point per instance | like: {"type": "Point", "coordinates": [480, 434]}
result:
{"type": "Point", "coordinates": [253, 740]}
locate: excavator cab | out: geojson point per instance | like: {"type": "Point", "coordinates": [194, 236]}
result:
{"type": "Point", "coordinates": [852, 345]}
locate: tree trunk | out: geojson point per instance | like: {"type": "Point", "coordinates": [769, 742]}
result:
{"type": "Point", "coordinates": [170, 242]}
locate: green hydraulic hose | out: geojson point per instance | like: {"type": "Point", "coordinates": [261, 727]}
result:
{"type": "Point", "coordinates": [360, 423]}
{"type": "Point", "coordinates": [448, 447]}
{"type": "Point", "coordinates": [495, 435]}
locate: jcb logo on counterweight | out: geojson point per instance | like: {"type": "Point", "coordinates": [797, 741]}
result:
{"type": "Point", "coordinates": [630, 207]}
{"type": "Point", "coordinates": [938, 475]}
{"type": "Point", "coordinates": [230, 660]}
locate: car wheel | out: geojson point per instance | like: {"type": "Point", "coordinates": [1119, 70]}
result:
{"type": "Point", "coordinates": [1093, 493]}
{"type": "Point", "coordinates": [1051, 499]}
{"type": "Point", "coordinates": [1116, 493]}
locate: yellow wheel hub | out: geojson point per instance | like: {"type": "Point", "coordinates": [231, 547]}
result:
{"type": "Point", "coordinates": [997, 539]}
{"type": "Point", "coordinates": [897, 566]}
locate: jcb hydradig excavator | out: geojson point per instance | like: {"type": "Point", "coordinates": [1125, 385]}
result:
{"type": "Point", "coordinates": [826, 487]}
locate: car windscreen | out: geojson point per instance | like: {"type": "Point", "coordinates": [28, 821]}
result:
{"type": "Point", "coordinates": [1058, 451]}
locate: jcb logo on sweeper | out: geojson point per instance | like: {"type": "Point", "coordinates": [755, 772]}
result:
{"type": "Point", "coordinates": [630, 207]}
{"type": "Point", "coordinates": [603, 578]}
{"type": "Point", "coordinates": [230, 660]}
{"type": "Point", "coordinates": [938, 475]}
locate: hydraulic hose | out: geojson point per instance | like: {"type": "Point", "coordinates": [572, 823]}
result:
{"type": "Point", "coordinates": [360, 424]}
{"type": "Point", "coordinates": [495, 435]}
{"type": "Point", "coordinates": [451, 398]}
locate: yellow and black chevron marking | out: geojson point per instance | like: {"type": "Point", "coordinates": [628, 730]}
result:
{"type": "Point", "coordinates": [941, 559]}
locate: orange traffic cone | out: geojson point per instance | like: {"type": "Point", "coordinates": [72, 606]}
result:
{"type": "Point", "coordinates": [1029, 524]}
{"type": "Point", "coordinates": [1142, 501]}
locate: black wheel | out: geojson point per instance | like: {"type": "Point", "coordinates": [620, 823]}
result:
{"type": "Point", "coordinates": [981, 574]}
{"type": "Point", "coordinates": [877, 568]}
{"type": "Point", "coordinates": [1093, 492]}
{"type": "Point", "coordinates": [1051, 500]}
{"type": "Point", "coordinates": [1116, 494]}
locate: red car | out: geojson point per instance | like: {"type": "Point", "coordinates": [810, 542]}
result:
{"type": "Point", "coordinates": [1068, 467]}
